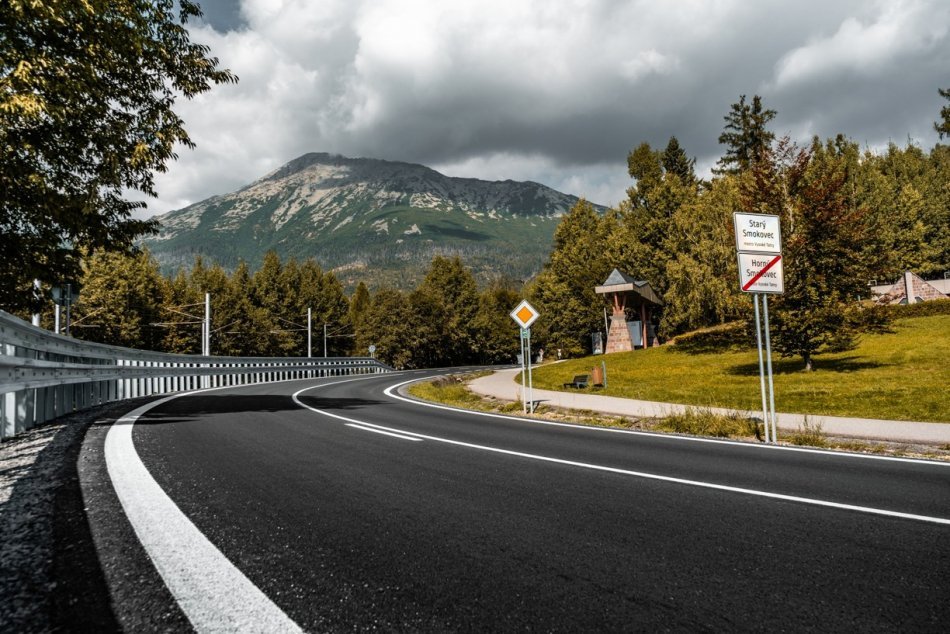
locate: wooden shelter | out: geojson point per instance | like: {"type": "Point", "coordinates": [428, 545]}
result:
{"type": "Point", "coordinates": [632, 302]}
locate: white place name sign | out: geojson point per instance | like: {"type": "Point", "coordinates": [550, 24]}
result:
{"type": "Point", "coordinates": [757, 233]}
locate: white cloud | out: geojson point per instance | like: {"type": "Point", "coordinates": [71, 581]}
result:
{"type": "Point", "coordinates": [555, 92]}
{"type": "Point", "coordinates": [870, 48]}
{"type": "Point", "coordinates": [603, 183]}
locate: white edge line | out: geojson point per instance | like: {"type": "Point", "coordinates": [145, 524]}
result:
{"type": "Point", "coordinates": [385, 433]}
{"type": "Point", "coordinates": [633, 432]}
{"type": "Point", "coordinates": [627, 472]}
{"type": "Point", "coordinates": [212, 592]}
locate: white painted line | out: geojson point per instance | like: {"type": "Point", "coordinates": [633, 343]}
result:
{"type": "Point", "coordinates": [390, 392]}
{"type": "Point", "coordinates": [212, 592]}
{"type": "Point", "coordinates": [627, 472]}
{"type": "Point", "coordinates": [385, 433]}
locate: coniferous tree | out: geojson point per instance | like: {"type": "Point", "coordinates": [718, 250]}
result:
{"type": "Point", "coordinates": [359, 306]}
{"type": "Point", "coordinates": [676, 162]}
{"type": "Point", "coordinates": [334, 309]}
{"type": "Point", "coordinates": [904, 212]}
{"type": "Point", "coordinates": [745, 135]}
{"type": "Point", "coordinates": [182, 312]}
{"type": "Point", "coordinates": [271, 288]}
{"type": "Point", "coordinates": [564, 291]}
{"type": "Point", "coordinates": [447, 308]}
{"type": "Point", "coordinates": [121, 300]}
{"type": "Point", "coordinates": [943, 127]}
{"type": "Point", "coordinates": [638, 233]}
{"type": "Point", "coordinates": [241, 328]}
{"type": "Point", "coordinates": [389, 326]}
{"type": "Point", "coordinates": [497, 336]}
{"type": "Point", "coordinates": [936, 214]}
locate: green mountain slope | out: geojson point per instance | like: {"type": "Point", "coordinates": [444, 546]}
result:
{"type": "Point", "coordinates": [371, 220]}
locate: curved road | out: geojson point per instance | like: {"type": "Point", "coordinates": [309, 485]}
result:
{"type": "Point", "coordinates": [332, 504]}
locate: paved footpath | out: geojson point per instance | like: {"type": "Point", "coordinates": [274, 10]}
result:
{"type": "Point", "coordinates": [502, 385]}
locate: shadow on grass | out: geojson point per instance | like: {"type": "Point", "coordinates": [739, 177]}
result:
{"type": "Point", "coordinates": [794, 366]}
{"type": "Point", "coordinates": [733, 337]}
{"type": "Point", "coordinates": [709, 347]}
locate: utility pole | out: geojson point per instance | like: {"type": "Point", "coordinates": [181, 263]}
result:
{"type": "Point", "coordinates": [69, 302]}
{"type": "Point", "coordinates": [206, 327]}
{"type": "Point", "coordinates": [309, 333]}
{"type": "Point", "coordinates": [37, 291]}
{"type": "Point", "coordinates": [324, 340]}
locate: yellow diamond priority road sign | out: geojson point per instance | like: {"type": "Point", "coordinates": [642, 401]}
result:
{"type": "Point", "coordinates": [524, 314]}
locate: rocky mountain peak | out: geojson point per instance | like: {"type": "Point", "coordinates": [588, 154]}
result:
{"type": "Point", "coordinates": [345, 211]}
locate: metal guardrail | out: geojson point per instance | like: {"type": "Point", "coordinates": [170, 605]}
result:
{"type": "Point", "coordinates": [45, 375]}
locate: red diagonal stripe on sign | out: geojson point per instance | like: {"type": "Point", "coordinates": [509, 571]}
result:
{"type": "Point", "coordinates": [764, 270]}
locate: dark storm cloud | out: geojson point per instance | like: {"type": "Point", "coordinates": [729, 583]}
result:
{"type": "Point", "coordinates": [222, 15]}
{"type": "Point", "coordinates": [552, 92]}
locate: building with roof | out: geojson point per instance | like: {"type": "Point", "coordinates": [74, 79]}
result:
{"type": "Point", "coordinates": [633, 303]}
{"type": "Point", "coordinates": [922, 291]}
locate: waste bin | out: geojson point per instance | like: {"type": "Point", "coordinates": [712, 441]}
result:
{"type": "Point", "coordinates": [597, 375]}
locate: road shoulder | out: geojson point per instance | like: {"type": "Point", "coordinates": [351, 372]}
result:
{"type": "Point", "coordinates": [501, 385]}
{"type": "Point", "coordinates": [68, 550]}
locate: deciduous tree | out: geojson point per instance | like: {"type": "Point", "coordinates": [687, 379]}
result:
{"type": "Point", "coordinates": [87, 91]}
{"type": "Point", "coordinates": [823, 232]}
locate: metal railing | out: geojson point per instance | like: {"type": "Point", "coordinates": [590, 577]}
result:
{"type": "Point", "coordinates": [45, 375]}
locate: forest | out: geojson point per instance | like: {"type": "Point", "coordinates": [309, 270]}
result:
{"type": "Point", "coordinates": [849, 215]}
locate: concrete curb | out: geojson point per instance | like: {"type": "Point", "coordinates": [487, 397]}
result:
{"type": "Point", "coordinates": [502, 385]}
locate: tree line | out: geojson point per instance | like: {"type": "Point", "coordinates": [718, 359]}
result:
{"type": "Point", "coordinates": [447, 320]}
{"type": "Point", "coordinates": [87, 114]}
{"type": "Point", "coordinates": [848, 216]}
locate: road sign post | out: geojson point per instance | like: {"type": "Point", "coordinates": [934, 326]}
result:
{"type": "Point", "coordinates": [761, 272]}
{"type": "Point", "coordinates": [524, 314]}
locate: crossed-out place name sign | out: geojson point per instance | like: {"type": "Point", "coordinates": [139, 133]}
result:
{"type": "Point", "coordinates": [761, 273]}
{"type": "Point", "coordinates": [759, 249]}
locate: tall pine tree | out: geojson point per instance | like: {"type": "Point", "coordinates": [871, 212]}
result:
{"type": "Point", "coordinates": [943, 127]}
{"type": "Point", "coordinates": [745, 135]}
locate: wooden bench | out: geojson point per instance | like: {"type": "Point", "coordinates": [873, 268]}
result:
{"type": "Point", "coordinates": [579, 381]}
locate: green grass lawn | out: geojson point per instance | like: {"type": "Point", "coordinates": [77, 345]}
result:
{"type": "Point", "coordinates": [903, 375]}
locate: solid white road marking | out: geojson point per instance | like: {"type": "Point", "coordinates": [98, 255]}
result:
{"type": "Point", "coordinates": [637, 474]}
{"type": "Point", "coordinates": [385, 433]}
{"type": "Point", "coordinates": [212, 592]}
{"type": "Point", "coordinates": [390, 392]}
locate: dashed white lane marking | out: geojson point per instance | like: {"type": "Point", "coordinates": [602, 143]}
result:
{"type": "Point", "coordinates": [385, 433]}
{"type": "Point", "coordinates": [212, 592]}
{"type": "Point", "coordinates": [627, 472]}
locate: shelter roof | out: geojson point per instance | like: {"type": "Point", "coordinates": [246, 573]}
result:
{"type": "Point", "coordinates": [619, 282]}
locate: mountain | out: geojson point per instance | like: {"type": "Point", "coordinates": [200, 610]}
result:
{"type": "Point", "coordinates": [377, 221]}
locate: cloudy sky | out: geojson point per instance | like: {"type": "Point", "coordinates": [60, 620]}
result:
{"type": "Point", "coordinates": [554, 91]}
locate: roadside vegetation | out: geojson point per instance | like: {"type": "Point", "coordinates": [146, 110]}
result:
{"type": "Point", "coordinates": [847, 216]}
{"type": "Point", "coordinates": [452, 390]}
{"type": "Point", "coordinates": [902, 374]}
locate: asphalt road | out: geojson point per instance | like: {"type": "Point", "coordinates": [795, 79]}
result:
{"type": "Point", "coordinates": [350, 510]}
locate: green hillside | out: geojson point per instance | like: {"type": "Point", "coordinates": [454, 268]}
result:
{"type": "Point", "coordinates": [901, 375]}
